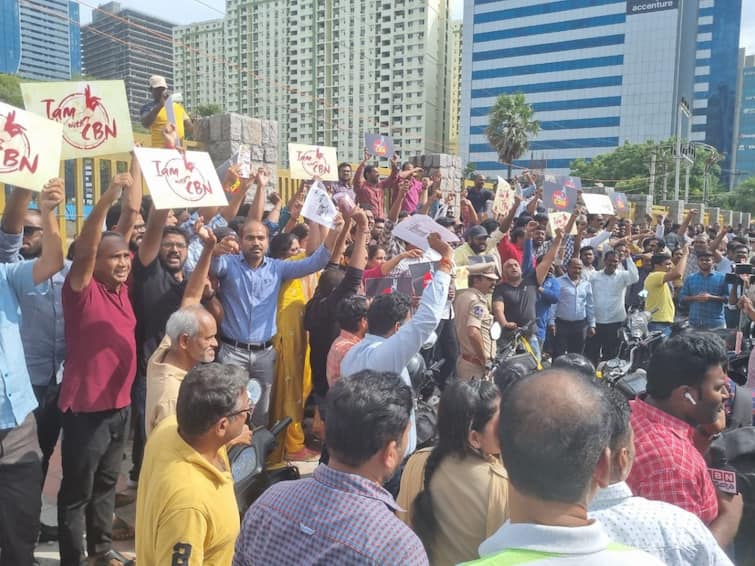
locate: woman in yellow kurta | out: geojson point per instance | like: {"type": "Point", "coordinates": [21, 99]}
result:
{"type": "Point", "coordinates": [293, 376]}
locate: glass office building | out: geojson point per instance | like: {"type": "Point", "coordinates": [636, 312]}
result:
{"type": "Point", "coordinates": [40, 41]}
{"type": "Point", "coordinates": [716, 77]}
{"type": "Point", "coordinates": [597, 73]}
{"type": "Point", "coordinates": [746, 143]}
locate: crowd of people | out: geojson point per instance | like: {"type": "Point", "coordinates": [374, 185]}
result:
{"type": "Point", "coordinates": [184, 330]}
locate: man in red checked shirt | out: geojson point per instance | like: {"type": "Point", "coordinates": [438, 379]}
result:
{"type": "Point", "coordinates": [686, 389]}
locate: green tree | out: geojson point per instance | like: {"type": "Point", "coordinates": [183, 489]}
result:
{"type": "Point", "coordinates": [469, 170]}
{"type": "Point", "coordinates": [627, 168]}
{"type": "Point", "coordinates": [742, 197]}
{"type": "Point", "coordinates": [204, 110]}
{"type": "Point", "coordinates": [10, 91]}
{"type": "Point", "coordinates": [510, 127]}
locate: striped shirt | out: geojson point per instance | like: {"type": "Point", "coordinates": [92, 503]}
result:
{"type": "Point", "coordinates": [708, 314]}
{"type": "Point", "coordinates": [331, 518]}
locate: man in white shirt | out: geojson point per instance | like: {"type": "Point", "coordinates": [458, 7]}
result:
{"type": "Point", "coordinates": [554, 434]}
{"type": "Point", "coordinates": [666, 531]}
{"type": "Point", "coordinates": [609, 287]}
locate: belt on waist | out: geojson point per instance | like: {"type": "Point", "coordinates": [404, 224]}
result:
{"type": "Point", "coordinates": [571, 321]}
{"type": "Point", "coordinates": [472, 360]}
{"type": "Point", "coordinates": [246, 346]}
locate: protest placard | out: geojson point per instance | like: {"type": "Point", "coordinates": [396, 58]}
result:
{"type": "Point", "coordinates": [177, 180]}
{"type": "Point", "coordinates": [560, 193]}
{"type": "Point", "coordinates": [375, 286]}
{"type": "Point", "coordinates": [560, 219]}
{"type": "Point", "coordinates": [30, 148]}
{"type": "Point", "coordinates": [378, 145]}
{"type": "Point", "coordinates": [422, 274]}
{"type": "Point", "coordinates": [598, 204]}
{"type": "Point", "coordinates": [94, 115]}
{"type": "Point", "coordinates": [244, 161]}
{"type": "Point", "coordinates": [310, 161]}
{"type": "Point", "coordinates": [504, 197]}
{"type": "Point", "coordinates": [415, 230]}
{"type": "Point", "coordinates": [318, 206]}
{"type": "Point", "coordinates": [620, 204]}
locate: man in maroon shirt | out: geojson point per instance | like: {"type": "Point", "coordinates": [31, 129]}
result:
{"type": "Point", "coordinates": [686, 389]}
{"type": "Point", "coordinates": [95, 393]}
{"type": "Point", "coordinates": [369, 188]}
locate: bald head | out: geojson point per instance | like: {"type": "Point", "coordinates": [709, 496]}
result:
{"type": "Point", "coordinates": [554, 427]}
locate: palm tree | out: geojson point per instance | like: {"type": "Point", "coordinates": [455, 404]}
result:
{"type": "Point", "coordinates": [510, 127]}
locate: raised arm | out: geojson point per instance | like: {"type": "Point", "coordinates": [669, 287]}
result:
{"type": "Point", "coordinates": [541, 271]}
{"type": "Point", "coordinates": [15, 210]}
{"type": "Point", "coordinates": [197, 281]}
{"type": "Point", "coordinates": [257, 210]}
{"type": "Point", "coordinates": [680, 268]}
{"type": "Point", "coordinates": [390, 264]}
{"type": "Point", "coordinates": [153, 235]}
{"type": "Point", "coordinates": [715, 245]}
{"type": "Point", "coordinates": [686, 222]}
{"type": "Point", "coordinates": [338, 248]}
{"type": "Point", "coordinates": [85, 251]}
{"type": "Point", "coordinates": [131, 201]}
{"type": "Point", "coordinates": [359, 173]}
{"type": "Point", "coordinates": [317, 235]}
{"type": "Point", "coordinates": [508, 220]}
{"type": "Point", "coordinates": [358, 259]}
{"type": "Point", "coordinates": [51, 259]}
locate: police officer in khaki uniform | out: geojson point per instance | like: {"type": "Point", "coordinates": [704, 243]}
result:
{"type": "Point", "coordinates": [473, 321]}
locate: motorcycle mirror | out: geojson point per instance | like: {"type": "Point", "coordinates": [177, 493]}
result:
{"type": "Point", "coordinates": [495, 331]}
{"type": "Point", "coordinates": [254, 391]}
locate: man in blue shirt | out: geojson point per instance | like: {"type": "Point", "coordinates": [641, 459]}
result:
{"type": "Point", "coordinates": [20, 457]}
{"type": "Point", "coordinates": [706, 293]}
{"type": "Point", "coordinates": [575, 319]}
{"type": "Point", "coordinates": [250, 283]}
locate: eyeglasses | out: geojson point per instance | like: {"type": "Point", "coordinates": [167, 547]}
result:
{"type": "Point", "coordinates": [249, 410]}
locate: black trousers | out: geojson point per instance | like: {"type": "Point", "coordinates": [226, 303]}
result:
{"type": "Point", "coordinates": [605, 344]}
{"type": "Point", "coordinates": [570, 337]}
{"type": "Point", "coordinates": [447, 348]}
{"type": "Point", "coordinates": [20, 493]}
{"type": "Point", "coordinates": [138, 408]}
{"type": "Point", "coordinates": [49, 421]}
{"type": "Point", "coordinates": [92, 452]}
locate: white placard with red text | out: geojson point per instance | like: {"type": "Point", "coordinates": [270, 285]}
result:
{"type": "Point", "coordinates": [29, 148]}
{"type": "Point", "coordinates": [177, 180]}
{"type": "Point", "coordinates": [94, 115]}
{"type": "Point", "coordinates": [310, 161]}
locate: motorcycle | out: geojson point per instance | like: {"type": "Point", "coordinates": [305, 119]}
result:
{"type": "Point", "coordinates": [514, 348]}
{"type": "Point", "coordinates": [251, 475]}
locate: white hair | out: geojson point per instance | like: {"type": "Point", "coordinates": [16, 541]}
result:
{"type": "Point", "coordinates": [184, 321]}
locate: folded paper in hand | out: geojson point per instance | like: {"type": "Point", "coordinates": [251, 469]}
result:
{"type": "Point", "coordinates": [318, 206]}
{"type": "Point", "coordinates": [415, 230]}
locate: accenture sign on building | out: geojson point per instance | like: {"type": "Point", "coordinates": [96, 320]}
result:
{"type": "Point", "coordinates": [647, 6]}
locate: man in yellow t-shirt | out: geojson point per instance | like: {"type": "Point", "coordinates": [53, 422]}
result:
{"type": "Point", "coordinates": [154, 115]}
{"type": "Point", "coordinates": [186, 513]}
{"type": "Point", "coordinates": [660, 299]}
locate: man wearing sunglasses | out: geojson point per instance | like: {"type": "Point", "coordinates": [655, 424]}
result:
{"type": "Point", "coordinates": [185, 512]}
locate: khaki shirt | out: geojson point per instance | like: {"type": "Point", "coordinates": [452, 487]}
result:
{"type": "Point", "coordinates": [472, 309]}
{"type": "Point", "coordinates": [163, 382]}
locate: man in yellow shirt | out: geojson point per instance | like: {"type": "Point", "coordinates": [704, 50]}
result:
{"type": "Point", "coordinates": [660, 299]}
{"type": "Point", "coordinates": [186, 512]}
{"type": "Point", "coordinates": [155, 117]}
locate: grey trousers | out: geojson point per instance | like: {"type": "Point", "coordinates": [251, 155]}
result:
{"type": "Point", "coordinates": [260, 366]}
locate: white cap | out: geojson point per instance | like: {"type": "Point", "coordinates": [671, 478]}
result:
{"type": "Point", "coordinates": [156, 81]}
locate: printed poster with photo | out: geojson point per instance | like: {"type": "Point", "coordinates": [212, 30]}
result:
{"type": "Point", "coordinates": [504, 197]}
{"type": "Point", "coordinates": [30, 148]}
{"type": "Point", "coordinates": [318, 206]}
{"type": "Point", "coordinates": [379, 145]}
{"type": "Point", "coordinates": [422, 275]}
{"type": "Point", "coordinates": [375, 286]}
{"type": "Point", "coordinates": [177, 180]}
{"type": "Point", "coordinates": [560, 193]}
{"type": "Point", "coordinates": [415, 230]}
{"type": "Point", "coordinates": [620, 204]}
{"type": "Point", "coordinates": [94, 115]}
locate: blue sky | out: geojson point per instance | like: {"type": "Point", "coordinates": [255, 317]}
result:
{"type": "Point", "coordinates": [187, 11]}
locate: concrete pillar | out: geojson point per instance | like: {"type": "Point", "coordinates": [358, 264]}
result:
{"type": "Point", "coordinates": [713, 215]}
{"type": "Point", "coordinates": [676, 210]}
{"type": "Point", "coordinates": [726, 217]}
{"type": "Point", "coordinates": [450, 171]}
{"type": "Point", "coordinates": [746, 219]}
{"type": "Point", "coordinates": [222, 135]}
{"type": "Point", "coordinates": [736, 219]}
{"type": "Point", "coordinates": [700, 207]}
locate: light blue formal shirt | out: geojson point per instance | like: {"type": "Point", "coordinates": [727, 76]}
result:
{"type": "Point", "coordinates": [16, 395]}
{"type": "Point", "coordinates": [575, 301]}
{"type": "Point", "coordinates": [392, 354]}
{"type": "Point", "coordinates": [250, 296]}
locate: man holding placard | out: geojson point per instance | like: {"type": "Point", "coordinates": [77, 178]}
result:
{"type": "Point", "coordinates": [154, 115]}
{"type": "Point", "coordinates": [20, 457]}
